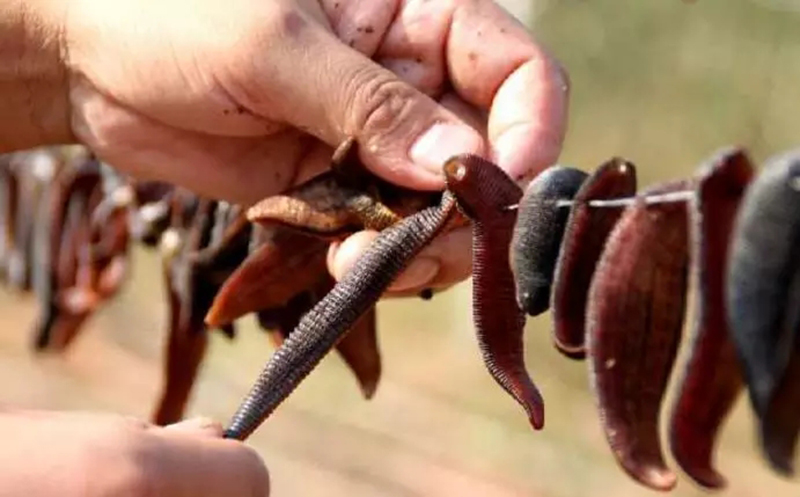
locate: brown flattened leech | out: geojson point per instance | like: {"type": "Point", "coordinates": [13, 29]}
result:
{"type": "Point", "coordinates": [341, 201]}
{"type": "Point", "coordinates": [762, 296]}
{"type": "Point", "coordinates": [484, 193]}
{"type": "Point", "coordinates": [534, 247]}
{"type": "Point", "coordinates": [583, 241]}
{"type": "Point", "coordinates": [712, 377]}
{"type": "Point", "coordinates": [634, 319]}
{"type": "Point", "coordinates": [61, 237]}
{"type": "Point", "coordinates": [324, 325]}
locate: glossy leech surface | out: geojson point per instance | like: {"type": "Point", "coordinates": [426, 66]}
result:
{"type": "Point", "coordinates": [320, 328]}
{"type": "Point", "coordinates": [634, 319]}
{"type": "Point", "coordinates": [537, 234]}
{"type": "Point", "coordinates": [712, 377]}
{"type": "Point", "coordinates": [583, 241]}
{"type": "Point", "coordinates": [484, 192]}
{"type": "Point", "coordinates": [762, 296]}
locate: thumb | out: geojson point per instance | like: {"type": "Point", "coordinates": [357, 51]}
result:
{"type": "Point", "coordinates": [335, 92]}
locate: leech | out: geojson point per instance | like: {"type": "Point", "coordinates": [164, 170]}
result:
{"type": "Point", "coordinates": [712, 376]}
{"type": "Point", "coordinates": [537, 234]}
{"type": "Point", "coordinates": [324, 325]}
{"type": "Point", "coordinates": [634, 319]}
{"type": "Point", "coordinates": [481, 188]}
{"type": "Point", "coordinates": [582, 245]}
{"type": "Point", "coordinates": [762, 292]}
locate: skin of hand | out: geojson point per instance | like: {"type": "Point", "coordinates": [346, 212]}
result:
{"type": "Point", "coordinates": [243, 98]}
{"type": "Point", "coordinates": [80, 454]}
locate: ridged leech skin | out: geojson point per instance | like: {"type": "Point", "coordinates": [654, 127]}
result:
{"type": "Point", "coordinates": [484, 192]}
{"type": "Point", "coordinates": [358, 347]}
{"type": "Point", "coordinates": [712, 377]}
{"type": "Point", "coordinates": [538, 232]}
{"type": "Point", "coordinates": [762, 297]}
{"type": "Point", "coordinates": [323, 326]}
{"type": "Point", "coordinates": [634, 318]}
{"type": "Point", "coordinates": [585, 236]}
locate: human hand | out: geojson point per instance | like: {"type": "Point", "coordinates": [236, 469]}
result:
{"type": "Point", "coordinates": [240, 99]}
{"type": "Point", "coordinates": [87, 454]}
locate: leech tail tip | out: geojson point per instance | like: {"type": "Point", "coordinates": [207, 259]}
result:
{"type": "Point", "coordinates": [571, 352]}
{"type": "Point", "coordinates": [368, 389]}
{"type": "Point", "coordinates": [661, 479]}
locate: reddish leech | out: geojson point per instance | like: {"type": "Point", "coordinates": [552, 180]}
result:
{"type": "Point", "coordinates": [584, 238]}
{"type": "Point", "coordinates": [712, 377]}
{"type": "Point", "coordinates": [634, 320]}
{"type": "Point", "coordinates": [484, 192]}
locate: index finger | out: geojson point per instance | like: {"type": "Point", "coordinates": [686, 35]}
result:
{"type": "Point", "coordinates": [494, 63]}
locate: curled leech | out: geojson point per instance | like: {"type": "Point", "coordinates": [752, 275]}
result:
{"type": "Point", "coordinates": [712, 376]}
{"type": "Point", "coordinates": [634, 320]}
{"type": "Point", "coordinates": [482, 190]}
{"type": "Point", "coordinates": [537, 235]}
{"type": "Point", "coordinates": [762, 295]}
{"type": "Point", "coordinates": [584, 237]}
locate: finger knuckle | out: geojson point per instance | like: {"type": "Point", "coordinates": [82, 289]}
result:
{"type": "Point", "coordinates": [382, 103]}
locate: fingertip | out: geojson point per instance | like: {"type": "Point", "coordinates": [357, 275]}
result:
{"type": "Point", "coordinates": [528, 120]}
{"type": "Point", "coordinates": [343, 255]}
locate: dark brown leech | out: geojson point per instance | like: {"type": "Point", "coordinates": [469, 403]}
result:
{"type": "Point", "coordinates": [323, 326]}
{"type": "Point", "coordinates": [764, 285]}
{"type": "Point", "coordinates": [285, 264]}
{"type": "Point", "coordinates": [359, 350]}
{"type": "Point", "coordinates": [57, 242]}
{"type": "Point", "coordinates": [585, 236]}
{"type": "Point", "coordinates": [634, 319]}
{"type": "Point", "coordinates": [69, 307]}
{"type": "Point", "coordinates": [77, 298]}
{"type": "Point", "coordinates": [537, 235]}
{"type": "Point", "coordinates": [712, 377]}
{"type": "Point", "coordinates": [187, 339]}
{"type": "Point", "coordinates": [484, 192]}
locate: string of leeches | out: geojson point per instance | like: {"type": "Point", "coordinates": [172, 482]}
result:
{"type": "Point", "coordinates": [661, 198]}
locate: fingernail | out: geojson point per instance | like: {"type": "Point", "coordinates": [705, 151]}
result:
{"type": "Point", "coordinates": [421, 272]}
{"type": "Point", "coordinates": [442, 141]}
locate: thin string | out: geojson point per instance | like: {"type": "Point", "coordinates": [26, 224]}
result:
{"type": "Point", "coordinates": [661, 198]}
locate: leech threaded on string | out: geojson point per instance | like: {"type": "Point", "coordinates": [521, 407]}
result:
{"type": "Point", "coordinates": [326, 322]}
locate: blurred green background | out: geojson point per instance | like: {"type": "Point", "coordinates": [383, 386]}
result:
{"type": "Point", "coordinates": [664, 83]}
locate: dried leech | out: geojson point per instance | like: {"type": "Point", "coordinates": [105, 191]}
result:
{"type": "Point", "coordinates": [584, 237]}
{"type": "Point", "coordinates": [537, 234]}
{"type": "Point", "coordinates": [712, 378]}
{"type": "Point", "coordinates": [762, 294]}
{"type": "Point", "coordinates": [634, 318]}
